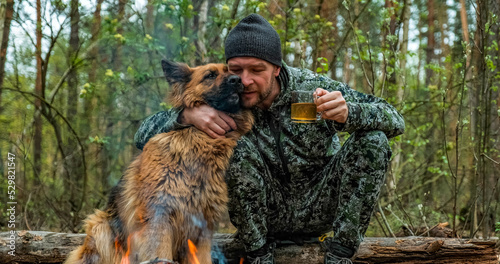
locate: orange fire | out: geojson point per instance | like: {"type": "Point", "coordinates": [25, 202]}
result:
{"type": "Point", "coordinates": [193, 250]}
{"type": "Point", "coordinates": [119, 249]}
{"type": "Point", "coordinates": [125, 258]}
{"type": "Point", "coordinates": [241, 260]}
{"type": "Point", "coordinates": [117, 246]}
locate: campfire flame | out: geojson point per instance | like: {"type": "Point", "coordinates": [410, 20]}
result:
{"type": "Point", "coordinates": [242, 260]}
{"type": "Point", "coordinates": [117, 246]}
{"type": "Point", "coordinates": [119, 249]}
{"type": "Point", "coordinates": [193, 250]}
{"type": "Point", "coordinates": [125, 258]}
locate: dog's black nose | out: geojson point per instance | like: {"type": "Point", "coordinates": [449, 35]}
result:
{"type": "Point", "coordinates": [234, 79]}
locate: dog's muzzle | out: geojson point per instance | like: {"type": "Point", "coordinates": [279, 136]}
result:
{"type": "Point", "coordinates": [226, 97]}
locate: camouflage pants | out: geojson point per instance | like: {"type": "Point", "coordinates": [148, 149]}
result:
{"type": "Point", "coordinates": [341, 198]}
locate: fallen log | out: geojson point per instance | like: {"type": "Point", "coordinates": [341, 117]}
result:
{"type": "Point", "coordinates": [50, 247]}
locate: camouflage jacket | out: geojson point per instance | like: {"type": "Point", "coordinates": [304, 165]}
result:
{"type": "Point", "coordinates": [302, 147]}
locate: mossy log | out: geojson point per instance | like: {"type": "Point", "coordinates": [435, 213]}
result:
{"type": "Point", "coordinates": [50, 247]}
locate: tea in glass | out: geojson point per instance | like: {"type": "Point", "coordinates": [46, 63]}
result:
{"type": "Point", "coordinates": [303, 107]}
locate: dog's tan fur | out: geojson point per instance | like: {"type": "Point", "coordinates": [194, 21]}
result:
{"type": "Point", "coordinates": [173, 191]}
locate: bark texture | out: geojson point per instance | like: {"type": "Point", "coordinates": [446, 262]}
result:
{"type": "Point", "coordinates": [50, 247]}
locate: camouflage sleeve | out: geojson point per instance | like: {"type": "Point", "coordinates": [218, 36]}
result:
{"type": "Point", "coordinates": [160, 122]}
{"type": "Point", "coordinates": [368, 112]}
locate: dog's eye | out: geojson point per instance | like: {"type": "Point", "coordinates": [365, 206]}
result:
{"type": "Point", "coordinates": [211, 75]}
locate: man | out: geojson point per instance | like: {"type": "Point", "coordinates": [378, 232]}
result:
{"type": "Point", "coordinates": [290, 180]}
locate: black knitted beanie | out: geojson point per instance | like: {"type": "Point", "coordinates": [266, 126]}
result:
{"type": "Point", "coordinates": [254, 37]}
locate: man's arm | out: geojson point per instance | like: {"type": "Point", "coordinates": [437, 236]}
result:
{"type": "Point", "coordinates": [368, 112]}
{"type": "Point", "coordinates": [213, 122]}
{"type": "Point", "coordinates": [160, 122]}
{"type": "Point", "coordinates": [364, 112]}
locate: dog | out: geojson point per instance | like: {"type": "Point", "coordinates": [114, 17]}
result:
{"type": "Point", "coordinates": [172, 195]}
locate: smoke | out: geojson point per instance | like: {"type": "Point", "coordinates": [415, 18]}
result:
{"type": "Point", "coordinates": [217, 255]}
{"type": "Point", "coordinates": [199, 221]}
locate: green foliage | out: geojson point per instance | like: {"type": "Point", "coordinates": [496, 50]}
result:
{"type": "Point", "coordinates": [99, 140]}
{"type": "Point", "coordinates": [323, 62]}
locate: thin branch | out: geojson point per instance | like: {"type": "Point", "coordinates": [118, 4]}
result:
{"type": "Point", "coordinates": [385, 220]}
{"type": "Point", "coordinates": [488, 157]}
{"type": "Point", "coordinates": [61, 81]}
{"type": "Point", "coordinates": [26, 211]}
{"type": "Point", "coordinates": [371, 66]}
{"type": "Point", "coordinates": [351, 22]}
{"type": "Point", "coordinates": [346, 35]}
{"type": "Point", "coordinates": [65, 121]}
{"type": "Point", "coordinates": [51, 47]}
{"type": "Point", "coordinates": [25, 31]}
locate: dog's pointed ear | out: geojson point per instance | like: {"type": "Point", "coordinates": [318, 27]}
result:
{"type": "Point", "coordinates": [176, 72]}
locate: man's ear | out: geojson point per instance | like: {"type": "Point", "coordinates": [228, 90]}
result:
{"type": "Point", "coordinates": [277, 71]}
{"type": "Point", "coordinates": [176, 72]}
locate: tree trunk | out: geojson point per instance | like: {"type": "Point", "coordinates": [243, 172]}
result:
{"type": "Point", "coordinates": [491, 139]}
{"type": "Point", "coordinates": [401, 80]}
{"type": "Point", "coordinates": [494, 173]}
{"type": "Point", "coordinates": [150, 17]}
{"type": "Point", "coordinates": [118, 51]}
{"type": "Point", "coordinates": [475, 129]}
{"type": "Point", "coordinates": [200, 23]}
{"type": "Point", "coordinates": [6, 13]}
{"type": "Point", "coordinates": [431, 42]}
{"type": "Point", "coordinates": [390, 30]}
{"type": "Point", "coordinates": [401, 86]}
{"type": "Point", "coordinates": [90, 103]}
{"type": "Point", "coordinates": [470, 172]}
{"type": "Point", "coordinates": [74, 43]}
{"type": "Point", "coordinates": [37, 140]}
{"type": "Point", "coordinates": [73, 177]}
{"type": "Point", "coordinates": [347, 67]}
{"type": "Point", "coordinates": [49, 247]}
{"type": "Point", "coordinates": [330, 54]}
{"type": "Point", "coordinates": [486, 118]}
{"type": "Point", "coordinates": [109, 124]}
{"type": "Point", "coordinates": [465, 24]}
{"type": "Point", "coordinates": [482, 112]}
{"type": "Point", "coordinates": [328, 10]}
{"type": "Point", "coordinates": [441, 20]}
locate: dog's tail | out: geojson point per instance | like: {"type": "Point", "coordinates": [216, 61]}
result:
{"type": "Point", "coordinates": [98, 247]}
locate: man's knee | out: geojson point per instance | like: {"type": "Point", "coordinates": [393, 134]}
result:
{"type": "Point", "coordinates": [373, 144]}
{"type": "Point", "coordinates": [368, 152]}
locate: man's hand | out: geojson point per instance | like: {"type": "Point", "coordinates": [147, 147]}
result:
{"type": "Point", "coordinates": [332, 105]}
{"type": "Point", "coordinates": [209, 120]}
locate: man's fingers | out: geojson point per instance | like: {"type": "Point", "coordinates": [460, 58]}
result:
{"type": "Point", "coordinates": [323, 98]}
{"type": "Point", "coordinates": [330, 104]}
{"type": "Point", "coordinates": [212, 134]}
{"type": "Point", "coordinates": [222, 124]}
{"type": "Point", "coordinates": [331, 114]}
{"type": "Point", "coordinates": [216, 128]}
{"type": "Point", "coordinates": [338, 114]}
{"type": "Point", "coordinates": [209, 120]}
{"type": "Point", "coordinates": [320, 92]}
{"type": "Point", "coordinates": [228, 121]}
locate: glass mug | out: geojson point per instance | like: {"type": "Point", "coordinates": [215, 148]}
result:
{"type": "Point", "coordinates": [304, 107]}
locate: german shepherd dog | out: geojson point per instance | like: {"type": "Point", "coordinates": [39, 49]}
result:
{"type": "Point", "coordinates": [174, 192]}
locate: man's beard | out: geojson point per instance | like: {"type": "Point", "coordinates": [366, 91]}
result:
{"type": "Point", "coordinates": [262, 96]}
